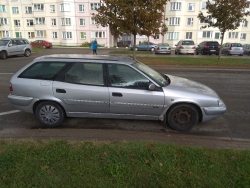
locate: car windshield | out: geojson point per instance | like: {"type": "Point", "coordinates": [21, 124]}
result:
{"type": "Point", "coordinates": [213, 44]}
{"type": "Point", "coordinates": [157, 77]}
{"type": "Point", "coordinates": [188, 43]}
{"type": "Point", "coordinates": [163, 44]}
{"type": "Point", "coordinates": [236, 45]}
{"type": "Point", "coordinates": [3, 42]}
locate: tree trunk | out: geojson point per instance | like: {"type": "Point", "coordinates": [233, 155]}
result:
{"type": "Point", "coordinates": [134, 55]}
{"type": "Point", "coordinates": [148, 44]}
{"type": "Point", "coordinates": [221, 45]}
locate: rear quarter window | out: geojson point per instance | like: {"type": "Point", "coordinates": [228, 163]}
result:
{"type": "Point", "coordinates": [43, 70]}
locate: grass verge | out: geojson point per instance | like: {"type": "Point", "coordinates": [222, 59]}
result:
{"type": "Point", "coordinates": [58, 163]}
{"type": "Point", "coordinates": [37, 49]}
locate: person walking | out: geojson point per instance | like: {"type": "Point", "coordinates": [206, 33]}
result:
{"type": "Point", "coordinates": [94, 47]}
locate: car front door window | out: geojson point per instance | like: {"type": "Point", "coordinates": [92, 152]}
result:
{"type": "Point", "coordinates": [124, 76]}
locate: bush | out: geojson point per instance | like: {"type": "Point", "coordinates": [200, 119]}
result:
{"type": "Point", "coordinates": [86, 44]}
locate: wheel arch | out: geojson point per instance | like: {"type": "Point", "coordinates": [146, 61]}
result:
{"type": "Point", "coordinates": [188, 103]}
{"type": "Point", "coordinates": [41, 101]}
{"type": "Point", "coordinates": [5, 52]}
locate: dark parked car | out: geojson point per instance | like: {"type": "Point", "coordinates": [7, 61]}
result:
{"type": "Point", "coordinates": [145, 46]}
{"type": "Point", "coordinates": [208, 47]}
{"type": "Point", "coordinates": [246, 48]}
{"type": "Point", "coordinates": [41, 43]}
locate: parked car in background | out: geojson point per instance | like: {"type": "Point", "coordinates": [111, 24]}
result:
{"type": "Point", "coordinates": [14, 46]}
{"type": "Point", "coordinates": [145, 46]}
{"type": "Point", "coordinates": [208, 47]}
{"type": "Point", "coordinates": [73, 85]}
{"type": "Point", "coordinates": [246, 48]}
{"type": "Point", "coordinates": [185, 47]}
{"type": "Point", "coordinates": [232, 49]}
{"type": "Point", "coordinates": [163, 48]}
{"type": "Point", "coordinates": [41, 43]}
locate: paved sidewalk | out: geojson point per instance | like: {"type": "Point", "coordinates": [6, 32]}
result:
{"type": "Point", "coordinates": [183, 139]}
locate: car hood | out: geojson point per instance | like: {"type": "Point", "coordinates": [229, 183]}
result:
{"type": "Point", "coordinates": [184, 86]}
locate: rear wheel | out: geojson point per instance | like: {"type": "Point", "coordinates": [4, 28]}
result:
{"type": "Point", "coordinates": [50, 114]}
{"type": "Point", "coordinates": [202, 52]}
{"type": "Point", "coordinates": [27, 53]}
{"type": "Point", "coordinates": [196, 52]}
{"type": "Point", "coordinates": [182, 117]}
{"type": "Point", "coordinates": [175, 52]}
{"type": "Point", "coordinates": [3, 54]}
{"type": "Point", "coordinates": [152, 49]}
{"type": "Point", "coordinates": [228, 53]}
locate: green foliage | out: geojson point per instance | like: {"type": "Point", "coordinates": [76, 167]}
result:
{"type": "Point", "coordinates": [86, 44]}
{"type": "Point", "coordinates": [224, 15]}
{"type": "Point", "coordinates": [25, 164]}
{"type": "Point", "coordinates": [143, 17]}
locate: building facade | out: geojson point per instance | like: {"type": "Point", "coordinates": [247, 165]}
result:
{"type": "Point", "coordinates": [183, 24]}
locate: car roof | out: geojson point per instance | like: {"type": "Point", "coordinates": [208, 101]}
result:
{"type": "Point", "coordinates": [69, 57]}
{"type": "Point", "coordinates": [12, 38]}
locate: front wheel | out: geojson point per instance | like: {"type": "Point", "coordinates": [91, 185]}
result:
{"type": "Point", "coordinates": [27, 53]}
{"type": "Point", "coordinates": [50, 114]}
{"type": "Point", "coordinates": [182, 117]}
{"type": "Point", "coordinates": [3, 55]}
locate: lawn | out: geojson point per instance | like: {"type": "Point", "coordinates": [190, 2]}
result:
{"type": "Point", "coordinates": [180, 60]}
{"type": "Point", "coordinates": [58, 163]}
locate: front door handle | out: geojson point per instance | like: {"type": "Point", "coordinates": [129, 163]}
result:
{"type": "Point", "coordinates": [60, 91]}
{"type": "Point", "coordinates": [117, 94]}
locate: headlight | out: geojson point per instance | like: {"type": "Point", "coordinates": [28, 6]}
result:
{"type": "Point", "coordinates": [220, 103]}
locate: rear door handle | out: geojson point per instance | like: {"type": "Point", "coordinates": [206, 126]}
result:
{"type": "Point", "coordinates": [60, 91]}
{"type": "Point", "coordinates": [117, 94]}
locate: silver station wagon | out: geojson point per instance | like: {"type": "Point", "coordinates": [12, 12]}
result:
{"type": "Point", "coordinates": [54, 87]}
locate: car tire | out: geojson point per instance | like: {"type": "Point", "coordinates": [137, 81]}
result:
{"type": "Point", "coordinates": [228, 53]}
{"type": "Point", "coordinates": [182, 117]}
{"type": "Point", "coordinates": [152, 49]}
{"type": "Point", "coordinates": [175, 52]}
{"type": "Point", "coordinates": [196, 52]}
{"type": "Point", "coordinates": [50, 114]}
{"type": "Point", "coordinates": [202, 52]}
{"type": "Point", "coordinates": [3, 55]}
{"type": "Point", "coordinates": [27, 53]}
{"type": "Point", "coordinates": [249, 53]}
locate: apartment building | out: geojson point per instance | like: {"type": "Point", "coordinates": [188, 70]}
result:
{"type": "Point", "coordinates": [62, 22]}
{"type": "Point", "coordinates": [183, 24]}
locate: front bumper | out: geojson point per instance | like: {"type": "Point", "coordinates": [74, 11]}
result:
{"type": "Point", "coordinates": [210, 113]}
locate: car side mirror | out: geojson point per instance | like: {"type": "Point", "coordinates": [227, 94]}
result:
{"type": "Point", "coordinates": [10, 45]}
{"type": "Point", "coordinates": [151, 87]}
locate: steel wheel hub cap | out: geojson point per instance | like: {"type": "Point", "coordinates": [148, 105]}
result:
{"type": "Point", "coordinates": [183, 117]}
{"type": "Point", "coordinates": [49, 114]}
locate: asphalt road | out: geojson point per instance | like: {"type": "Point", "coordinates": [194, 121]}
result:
{"type": "Point", "coordinates": [231, 84]}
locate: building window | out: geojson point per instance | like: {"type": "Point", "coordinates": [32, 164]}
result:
{"type": "Point", "coordinates": [15, 10]}
{"type": "Point", "coordinates": [40, 34]}
{"type": "Point", "coordinates": [54, 35]}
{"type": "Point", "coordinates": [30, 23]}
{"type": "Point", "coordinates": [52, 8]}
{"type": "Point", "coordinates": [93, 22]}
{"type": "Point", "coordinates": [40, 21]}
{"type": "Point", "coordinates": [203, 4]}
{"type": "Point", "coordinates": [244, 24]}
{"type": "Point", "coordinates": [207, 34]}
{"type": "Point", "coordinates": [81, 8]}
{"type": "Point", "coordinates": [217, 35]}
{"type": "Point", "coordinates": [173, 35]}
{"type": "Point", "coordinates": [243, 36]}
{"type": "Point", "coordinates": [188, 35]}
{"type": "Point", "coordinates": [95, 6]}
{"type": "Point", "coordinates": [174, 21]}
{"type": "Point", "coordinates": [66, 35]}
{"type": "Point", "coordinates": [17, 23]}
{"type": "Point", "coordinates": [2, 8]}
{"type": "Point", "coordinates": [82, 35]}
{"type": "Point", "coordinates": [202, 22]}
{"type": "Point", "coordinates": [66, 21]}
{"type": "Point", "coordinates": [82, 22]}
{"type": "Point", "coordinates": [28, 10]}
{"type": "Point", "coordinates": [233, 35]}
{"type": "Point", "coordinates": [53, 21]}
{"type": "Point", "coordinates": [157, 36]}
{"type": "Point", "coordinates": [175, 6]}
{"type": "Point", "coordinates": [4, 34]}
{"type": "Point", "coordinates": [98, 34]}
{"type": "Point", "coordinates": [38, 7]}
{"type": "Point", "coordinates": [18, 34]}
{"type": "Point", "coordinates": [3, 21]}
{"type": "Point", "coordinates": [190, 21]}
{"type": "Point", "coordinates": [31, 35]}
{"type": "Point", "coordinates": [190, 6]}
{"type": "Point", "coordinates": [64, 7]}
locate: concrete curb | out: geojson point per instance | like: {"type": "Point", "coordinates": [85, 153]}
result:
{"type": "Point", "coordinates": [184, 139]}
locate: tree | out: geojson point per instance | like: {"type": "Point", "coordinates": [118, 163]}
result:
{"type": "Point", "coordinates": [225, 15]}
{"type": "Point", "coordinates": [132, 17]}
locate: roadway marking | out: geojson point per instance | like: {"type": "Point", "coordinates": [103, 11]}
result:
{"type": "Point", "coordinates": [9, 112]}
{"type": "Point", "coordinates": [6, 73]}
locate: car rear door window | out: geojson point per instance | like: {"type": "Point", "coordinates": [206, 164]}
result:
{"type": "Point", "coordinates": [188, 43]}
{"type": "Point", "coordinates": [86, 73]}
{"type": "Point", "coordinates": [43, 70]}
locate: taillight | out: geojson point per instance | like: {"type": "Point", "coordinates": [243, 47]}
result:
{"type": "Point", "coordinates": [169, 48]}
{"type": "Point", "coordinates": [230, 48]}
{"type": "Point", "coordinates": [193, 47]}
{"type": "Point", "coordinates": [11, 88]}
{"type": "Point", "coordinates": [181, 47]}
{"type": "Point", "coordinates": [158, 48]}
{"type": "Point", "coordinates": [206, 46]}
{"type": "Point", "coordinates": [218, 46]}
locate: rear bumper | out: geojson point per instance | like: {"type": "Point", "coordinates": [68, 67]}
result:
{"type": "Point", "coordinates": [163, 51]}
{"type": "Point", "coordinates": [235, 52]}
{"type": "Point", "coordinates": [187, 51]}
